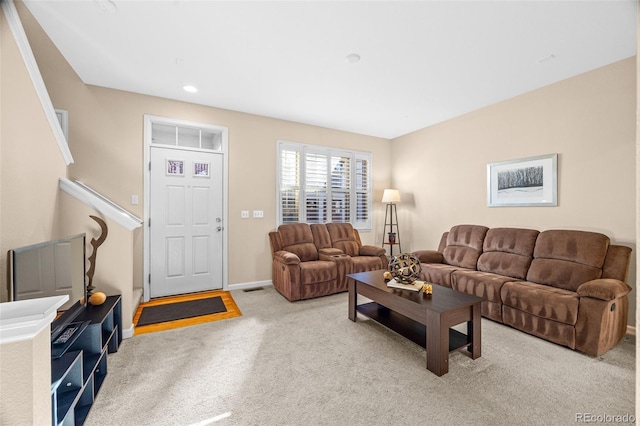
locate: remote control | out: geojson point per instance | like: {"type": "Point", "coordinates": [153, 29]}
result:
{"type": "Point", "coordinates": [66, 335]}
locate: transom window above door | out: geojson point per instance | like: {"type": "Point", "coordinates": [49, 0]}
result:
{"type": "Point", "coordinates": [186, 137]}
{"type": "Point", "coordinates": [318, 184]}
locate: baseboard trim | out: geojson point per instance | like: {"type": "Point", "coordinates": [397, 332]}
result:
{"type": "Point", "coordinates": [249, 285]}
{"type": "Point", "coordinates": [127, 332]}
{"type": "Point", "coordinates": [631, 330]}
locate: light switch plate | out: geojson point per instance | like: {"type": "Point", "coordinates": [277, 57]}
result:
{"type": "Point", "coordinates": [258, 214]}
{"type": "Point", "coordinates": [244, 214]}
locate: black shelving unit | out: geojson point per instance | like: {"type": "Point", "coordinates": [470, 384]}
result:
{"type": "Point", "coordinates": [80, 367]}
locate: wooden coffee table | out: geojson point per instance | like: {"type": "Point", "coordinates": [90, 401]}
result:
{"type": "Point", "coordinates": [424, 319]}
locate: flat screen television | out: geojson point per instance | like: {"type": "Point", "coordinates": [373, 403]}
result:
{"type": "Point", "coordinates": [51, 268]}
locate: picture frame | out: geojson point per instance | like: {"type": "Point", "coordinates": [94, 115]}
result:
{"type": "Point", "coordinates": [201, 169]}
{"type": "Point", "coordinates": [531, 181]}
{"type": "Point", "coordinates": [175, 167]}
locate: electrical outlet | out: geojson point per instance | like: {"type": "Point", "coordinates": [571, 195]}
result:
{"type": "Point", "coordinates": [134, 200]}
{"type": "Point", "coordinates": [258, 214]}
{"type": "Point", "coordinates": [244, 214]}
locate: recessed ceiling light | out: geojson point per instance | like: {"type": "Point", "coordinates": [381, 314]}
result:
{"type": "Point", "coordinates": [189, 88]}
{"type": "Point", "coordinates": [353, 58]}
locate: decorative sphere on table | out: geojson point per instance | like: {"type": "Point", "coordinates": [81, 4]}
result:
{"type": "Point", "coordinates": [405, 268]}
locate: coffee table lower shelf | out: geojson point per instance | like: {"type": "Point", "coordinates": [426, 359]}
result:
{"type": "Point", "coordinates": [409, 328]}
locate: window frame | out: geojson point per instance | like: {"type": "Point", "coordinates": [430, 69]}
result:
{"type": "Point", "coordinates": [303, 149]}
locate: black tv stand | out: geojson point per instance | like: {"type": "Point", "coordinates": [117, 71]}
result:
{"type": "Point", "coordinates": [79, 365]}
{"type": "Point", "coordinates": [67, 338]}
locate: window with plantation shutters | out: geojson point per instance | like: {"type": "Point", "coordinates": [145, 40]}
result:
{"type": "Point", "coordinates": [318, 185]}
{"type": "Point", "coordinates": [289, 186]}
{"type": "Point", "coordinates": [363, 191]}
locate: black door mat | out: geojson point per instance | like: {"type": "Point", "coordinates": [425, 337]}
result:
{"type": "Point", "coordinates": [181, 310]}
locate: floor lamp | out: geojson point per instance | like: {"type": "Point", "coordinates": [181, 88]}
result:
{"type": "Point", "coordinates": [392, 236]}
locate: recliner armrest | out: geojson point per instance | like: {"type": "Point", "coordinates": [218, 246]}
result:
{"type": "Point", "coordinates": [604, 289]}
{"type": "Point", "coordinates": [330, 251]}
{"type": "Point", "coordinates": [368, 250]}
{"type": "Point", "coordinates": [286, 257]}
{"type": "Point", "coordinates": [429, 256]}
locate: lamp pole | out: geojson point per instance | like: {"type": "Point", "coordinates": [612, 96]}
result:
{"type": "Point", "coordinates": [391, 197]}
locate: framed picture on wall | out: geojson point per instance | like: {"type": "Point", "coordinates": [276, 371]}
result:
{"type": "Point", "coordinates": [529, 181]}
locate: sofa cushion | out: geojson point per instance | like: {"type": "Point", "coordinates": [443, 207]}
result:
{"type": "Point", "coordinates": [320, 234]}
{"type": "Point", "coordinates": [482, 284]}
{"type": "Point", "coordinates": [561, 274]}
{"type": "Point", "coordinates": [438, 273]}
{"type": "Point", "coordinates": [508, 251]}
{"type": "Point", "coordinates": [464, 245]}
{"type": "Point", "coordinates": [342, 237]}
{"type": "Point", "coordinates": [587, 248]}
{"type": "Point", "coordinates": [566, 259]}
{"type": "Point", "coordinates": [297, 238]}
{"type": "Point", "coordinates": [317, 272]}
{"type": "Point", "coordinates": [554, 331]}
{"type": "Point", "coordinates": [542, 301]}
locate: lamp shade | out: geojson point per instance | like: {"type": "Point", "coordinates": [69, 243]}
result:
{"type": "Point", "coordinates": [391, 196]}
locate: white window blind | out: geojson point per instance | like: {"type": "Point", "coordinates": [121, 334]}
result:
{"type": "Point", "coordinates": [289, 186]}
{"type": "Point", "coordinates": [318, 184]}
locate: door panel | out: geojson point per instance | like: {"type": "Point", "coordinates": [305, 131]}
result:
{"type": "Point", "coordinates": [186, 237]}
{"type": "Point", "coordinates": [201, 255]}
{"type": "Point", "coordinates": [201, 196]}
{"type": "Point", "coordinates": [175, 204]}
{"type": "Point", "coordinates": [175, 257]}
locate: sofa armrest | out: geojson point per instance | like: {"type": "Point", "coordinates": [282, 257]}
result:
{"type": "Point", "coordinates": [604, 289]}
{"type": "Point", "coordinates": [286, 257]}
{"type": "Point", "coordinates": [367, 250]}
{"type": "Point", "coordinates": [330, 251]}
{"type": "Point", "coordinates": [429, 256]}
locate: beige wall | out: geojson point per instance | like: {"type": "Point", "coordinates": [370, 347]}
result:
{"type": "Point", "coordinates": [114, 258]}
{"type": "Point", "coordinates": [25, 381]}
{"type": "Point", "coordinates": [30, 160]}
{"type": "Point", "coordinates": [106, 140]}
{"type": "Point", "coordinates": [588, 120]}
{"type": "Point", "coordinates": [441, 170]}
{"type": "Point", "coordinates": [30, 164]}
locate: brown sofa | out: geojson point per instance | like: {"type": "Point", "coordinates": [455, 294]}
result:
{"type": "Point", "coordinates": [313, 260]}
{"type": "Point", "coordinates": [565, 286]}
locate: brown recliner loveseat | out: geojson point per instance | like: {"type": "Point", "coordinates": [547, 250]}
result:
{"type": "Point", "coordinates": [565, 286]}
{"type": "Point", "coordinates": [313, 260]}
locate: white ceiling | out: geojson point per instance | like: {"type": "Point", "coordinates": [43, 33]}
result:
{"type": "Point", "coordinates": [421, 62]}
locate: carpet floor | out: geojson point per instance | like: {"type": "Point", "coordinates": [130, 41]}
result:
{"type": "Point", "coordinates": [305, 363]}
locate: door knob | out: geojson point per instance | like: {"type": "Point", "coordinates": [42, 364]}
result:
{"type": "Point", "coordinates": [219, 228]}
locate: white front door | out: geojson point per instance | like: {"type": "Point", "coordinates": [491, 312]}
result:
{"type": "Point", "coordinates": [186, 221]}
